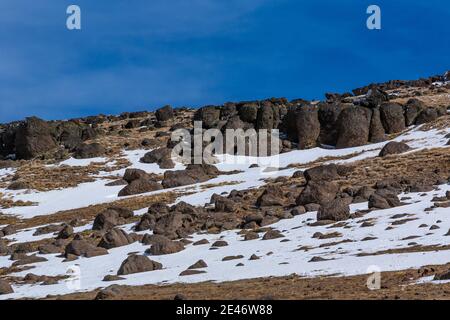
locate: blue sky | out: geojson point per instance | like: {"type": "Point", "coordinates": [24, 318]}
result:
{"type": "Point", "coordinates": [140, 54]}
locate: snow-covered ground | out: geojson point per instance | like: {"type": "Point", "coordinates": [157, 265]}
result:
{"type": "Point", "coordinates": [278, 257]}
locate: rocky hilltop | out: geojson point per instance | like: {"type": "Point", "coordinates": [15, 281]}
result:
{"type": "Point", "coordinates": [369, 115]}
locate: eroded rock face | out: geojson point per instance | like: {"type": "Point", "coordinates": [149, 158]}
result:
{"type": "Point", "coordinates": [5, 287]}
{"type": "Point", "coordinates": [412, 110]}
{"type": "Point", "coordinates": [318, 192]}
{"type": "Point", "coordinates": [383, 199]}
{"type": "Point", "coordinates": [115, 238]}
{"type": "Point", "coordinates": [137, 264]}
{"type": "Point", "coordinates": [394, 147]}
{"type": "Point", "coordinates": [308, 126]}
{"type": "Point", "coordinates": [336, 210]}
{"type": "Point", "coordinates": [392, 117]}
{"type": "Point", "coordinates": [84, 249]}
{"type": "Point", "coordinates": [353, 127]}
{"type": "Point", "coordinates": [194, 173]}
{"type": "Point", "coordinates": [161, 156]}
{"type": "Point", "coordinates": [163, 246]}
{"type": "Point", "coordinates": [138, 186]}
{"type": "Point", "coordinates": [111, 217]}
{"type": "Point", "coordinates": [164, 113]}
{"type": "Point", "coordinates": [33, 138]}
{"type": "Point", "coordinates": [324, 172]}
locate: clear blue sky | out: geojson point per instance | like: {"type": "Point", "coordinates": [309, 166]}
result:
{"type": "Point", "coordinates": [141, 54]}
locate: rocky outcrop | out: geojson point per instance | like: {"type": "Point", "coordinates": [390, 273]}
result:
{"type": "Point", "coordinates": [353, 127]}
{"type": "Point", "coordinates": [392, 117]}
{"type": "Point", "coordinates": [164, 113]}
{"type": "Point", "coordinates": [33, 138]}
{"type": "Point", "coordinates": [141, 185]}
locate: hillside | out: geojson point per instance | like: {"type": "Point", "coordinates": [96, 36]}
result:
{"type": "Point", "coordinates": [98, 207]}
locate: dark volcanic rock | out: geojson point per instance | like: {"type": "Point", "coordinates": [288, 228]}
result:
{"type": "Point", "coordinates": [115, 238]}
{"type": "Point", "coordinates": [139, 186]}
{"type": "Point", "coordinates": [308, 126]}
{"type": "Point", "coordinates": [165, 246]}
{"type": "Point", "coordinates": [335, 210]}
{"type": "Point", "coordinates": [194, 173]}
{"type": "Point", "coordinates": [164, 113]}
{"type": "Point", "coordinates": [427, 115]}
{"type": "Point", "coordinates": [353, 127]}
{"type": "Point", "coordinates": [134, 174]}
{"type": "Point", "coordinates": [5, 287]}
{"type": "Point", "coordinates": [319, 192]}
{"type": "Point", "coordinates": [394, 147]}
{"type": "Point", "coordinates": [327, 172]}
{"type": "Point", "coordinates": [392, 117]}
{"type": "Point", "coordinates": [84, 248]}
{"type": "Point", "coordinates": [377, 132]}
{"type": "Point", "coordinates": [136, 264]}
{"type": "Point", "coordinates": [161, 156]}
{"type": "Point", "coordinates": [272, 196]}
{"type": "Point", "coordinates": [412, 110]}
{"type": "Point", "coordinates": [33, 138]}
{"type": "Point", "coordinates": [383, 199]}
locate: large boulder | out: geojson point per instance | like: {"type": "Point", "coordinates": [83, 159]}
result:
{"type": "Point", "coordinates": [376, 132]}
{"type": "Point", "coordinates": [160, 156]}
{"type": "Point", "coordinates": [412, 110]}
{"type": "Point", "coordinates": [110, 218]}
{"type": "Point", "coordinates": [33, 138]}
{"type": "Point", "coordinates": [326, 172]}
{"type": "Point", "coordinates": [69, 134]}
{"type": "Point", "coordinates": [272, 196]}
{"type": "Point", "coordinates": [164, 113]}
{"type": "Point", "coordinates": [115, 238]}
{"type": "Point", "coordinates": [209, 116]}
{"type": "Point", "coordinates": [136, 264]}
{"type": "Point", "coordinates": [319, 192]}
{"type": "Point", "coordinates": [86, 151]}
{"type": "Point", "coordinates": [194, 173]}
{"type": "Point", "coordinates": [375, 97]}
{"type": "Point", "coordinates": [267, 117]}
{"type": "Point", "coordinates": [5, 287]}
{"type": "Point", "coordinates": [139, 186]}
{"type": "Point", "coordinates": [135, 174]}
{"type": "Point", "coordinates": [84, 249]}
{"type": "Point", "coordinates": [248, 112]}
{"type": "Point", "coordinates": [165, 246]}
{"type": "Point", "coordinates": [394, 147]}
{"type": "Point", "coordinates": [427, 115]}
{"type": "Point", "coordinates": [335, 210]}
{"type": "Point", "coordinates": [353, 127]}
{"type": "Point", "coordinates": [392, 117]}
{"type": "Point", "coordinates": [308, 126]}
{"type": "Point", "coordinates": [328, 115]}
{"type": "Point", "coordinates": [383, 199]}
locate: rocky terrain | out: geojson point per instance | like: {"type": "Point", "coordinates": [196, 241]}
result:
{"type": "Point", "coordinates": [97, 208]}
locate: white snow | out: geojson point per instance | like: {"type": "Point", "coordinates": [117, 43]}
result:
{"type": "Point", "coordinates": [299, 233]}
